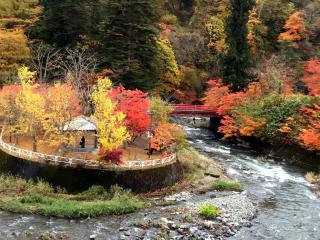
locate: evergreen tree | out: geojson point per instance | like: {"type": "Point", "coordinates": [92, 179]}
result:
{"type": "Point", "coordinates": [128, 38]}
{"type": "Point", "coordinates": [63, 22]}
{"type": "Point", "coordinates": [237, 61]}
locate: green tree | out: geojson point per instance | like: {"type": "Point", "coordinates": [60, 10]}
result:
{"type": "Point", "coordinates": [63, 22]}
{"type": "Point", "coordinates": [128, 38]}
{"type": "Point", "coordinates": [237, 61]}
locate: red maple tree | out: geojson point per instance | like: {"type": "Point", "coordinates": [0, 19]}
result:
{"type": "Point", "coordinates": [312, 77]}
{"type": "Point", "coordinates": [221, 97]}
{"type": "Point", "coordinates": [135, 104]}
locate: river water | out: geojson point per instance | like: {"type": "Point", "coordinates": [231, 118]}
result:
{"type": "Point", "coordinates": [288, 210]}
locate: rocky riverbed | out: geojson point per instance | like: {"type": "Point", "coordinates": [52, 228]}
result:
{"type": "Point", "coordinates": [181, 220]}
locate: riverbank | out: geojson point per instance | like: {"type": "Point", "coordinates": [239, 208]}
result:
{"type": "Point", "coordinates": [171, 212]}
{"type": "Point", "coordinates": [25, 196]}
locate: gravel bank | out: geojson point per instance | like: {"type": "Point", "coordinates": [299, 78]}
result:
{"type": "Point", "coordinates": [181, 221]}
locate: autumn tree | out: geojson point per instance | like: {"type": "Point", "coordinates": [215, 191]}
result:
{"type": "Point", "coordinates": [295, 29]}
{"type": "Point", "coordinates": [309, 136]}
{"type": "Point", "coordinates": [31, 107]}
{"type": "Point", "coordinates": [135, 105]}
{"type": "Point", "coordinates": [160, 110]}
{"type": "Point", "coordinates": [257, 32]}
{"type": "Point", "coordinates": [13, 51]}
{"type": "Point", "coordinates": [111, 130]}
{"type": "Point", "coordinates": [168, 70]}
{"type": "Point", "coordinates": [312, 77]}
{"type": "Point", "coordinates": [62, 106]}
{"type": "Point", "coordinates": [166, 137]}
{"type": "Point", "coordinates": [237, 61]}
{"type": "Point", "coordinates": [273, 15]}
{"type": "Point", "coordinates": [18, 14]}
{"type": "Point", "coordinates": [222, 98]}
{"type": "Point", "coordinates": [217, 35]}
{"type": "Point", "coordinates": [9, 112]}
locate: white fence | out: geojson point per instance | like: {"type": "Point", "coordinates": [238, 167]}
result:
{"type": "Point", "coordinates": [82, 163]}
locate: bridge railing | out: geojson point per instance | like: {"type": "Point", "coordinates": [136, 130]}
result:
{"type": "Point", "coordinates": [185, 107]}
{"type": "Point", "coordinates": [76, 163]}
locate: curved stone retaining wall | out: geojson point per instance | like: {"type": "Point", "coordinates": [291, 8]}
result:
{"type": "Point", "coordinates": [82, 163]}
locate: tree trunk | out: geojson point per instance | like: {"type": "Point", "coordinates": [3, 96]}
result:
{"type": "Point", "coordinates": [34, 144]}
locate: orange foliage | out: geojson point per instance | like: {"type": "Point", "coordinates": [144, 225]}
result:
{"type": "Point", "coordinates": [221, 97]}
{"type": "Point", "coordinates": [312, 76]}
{"type": "Point", "coordinates": [164, 136]}
{"type": "Point", "coordinates": [295, 29]}
{"type": "Point", "coordinates": [249, 126]}
{"type": "Point", "coordinates": [228, 127]}
{"type": "Point", "coordinates": [310, 136]}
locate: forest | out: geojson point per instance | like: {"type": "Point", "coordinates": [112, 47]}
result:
{"type": "Point", "coordinates": [257, 61]}
{"type": "Point", "coordinates": [187, 118]}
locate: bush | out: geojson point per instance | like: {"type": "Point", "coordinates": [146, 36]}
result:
{"type": "Point", "coordinates": [209, 211]}
{"type": "Point", "coordinates": [277, 111]}
{"type": "Point", "coordinates": [113, 157]}
{"type": "Point", "coordinates": [222, 185]}
{"type": "Point", "coordinates": [169, 19]}
{"type": "Point", "coordinates": [194, 164]}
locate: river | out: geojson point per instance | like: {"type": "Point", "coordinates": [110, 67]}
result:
{"type": "Point", "coordinates": [288, 210]}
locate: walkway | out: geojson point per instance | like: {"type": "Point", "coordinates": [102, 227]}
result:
{"type": "Point", "coordinates": [82, 163]}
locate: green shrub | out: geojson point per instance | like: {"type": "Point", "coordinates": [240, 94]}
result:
{"type": "Point", "coordinates": [169, 19]}
{"type": "Point", "coordinates": [209, 211]}
{"type": "Point", "coordinates": [222, 185]}
{"type": "Point", "coordinates": [62, 207]}
{"type": "Point", "coordinates": [23, 196]}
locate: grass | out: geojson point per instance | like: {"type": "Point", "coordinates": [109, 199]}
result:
{"type": "Point", "coordinates": [22, 196]}
{"type": "Point", "coordinates": [223, 185]}
{"type": "Point", "coordinates": [209, 211]}
{"type": "Point", "coordinates": [193, 163]}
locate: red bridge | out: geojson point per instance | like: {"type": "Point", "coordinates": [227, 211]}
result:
{"type": "Point", "coordinates": [183, 110]}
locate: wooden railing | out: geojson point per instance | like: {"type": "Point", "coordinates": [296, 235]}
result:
{"type": "Point", "coordinates": [83, 163]}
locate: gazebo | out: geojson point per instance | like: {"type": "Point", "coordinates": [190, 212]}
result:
{"type": "Point", "coordinates": [85, 125]}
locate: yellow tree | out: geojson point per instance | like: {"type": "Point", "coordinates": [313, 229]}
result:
{"type": "Point", "coordinates": [217, 35]}
{"type": "Point", "coordinates": [13, 51]}
{"type": "Point", "coordinates": [111, 130]}
{"type": "Point", "coordinates": [256, 31]}
{"type": "Point", "coordinates": [8, 108]}
{"type": "Point", "coordinates": [31, 107]}
{"type": "Point", "coordinates": [168, 68]}
{"type": "Point", "coordinates": [62, 105]}
{"type": "Point", "coordinates": [160, 110]}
